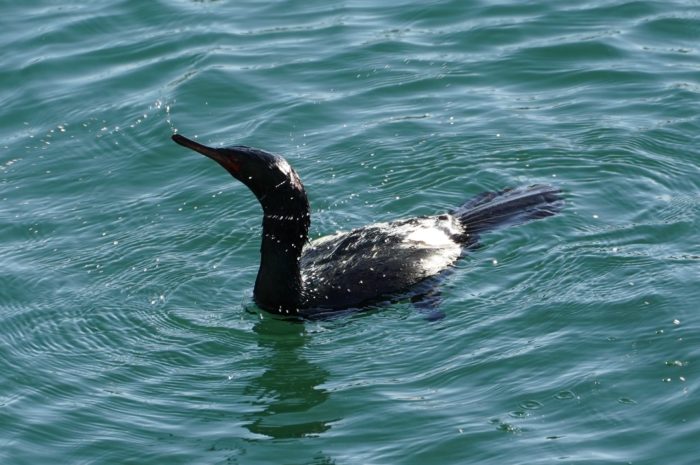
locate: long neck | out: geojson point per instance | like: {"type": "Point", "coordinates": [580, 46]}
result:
{"type": "Point", "coordinates": [278, 287]}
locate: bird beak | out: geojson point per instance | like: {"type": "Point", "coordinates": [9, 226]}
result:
{"type": "Point", "coordinates": [197, 147]}
{"type": "Point", "coordinates": [230, 162]}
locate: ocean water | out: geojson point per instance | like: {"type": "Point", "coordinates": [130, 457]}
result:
{"type": "Point", "coordinates": [127, 329]}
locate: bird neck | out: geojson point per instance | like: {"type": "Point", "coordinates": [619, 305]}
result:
{"type": "Point", "coordinates": [278, 286]}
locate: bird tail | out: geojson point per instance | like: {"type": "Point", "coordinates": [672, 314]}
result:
{"type": "Point", "coordinates": [490, 210]}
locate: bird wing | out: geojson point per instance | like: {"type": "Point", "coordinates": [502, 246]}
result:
{"type": "Point", "coordinates": [351, 268]}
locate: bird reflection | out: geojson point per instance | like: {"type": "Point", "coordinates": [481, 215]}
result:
{"type": "Point", "coordinates": [288, 390]}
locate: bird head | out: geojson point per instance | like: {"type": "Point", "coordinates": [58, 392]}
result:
{"type": "Point", "coordinates": [273, 181]}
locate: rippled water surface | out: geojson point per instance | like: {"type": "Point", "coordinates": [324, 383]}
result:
{"type": "Point", "coordinates": [127, 328]}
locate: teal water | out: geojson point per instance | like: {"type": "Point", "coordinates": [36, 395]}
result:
{"type": "Point", "coordinates": [127, 328]}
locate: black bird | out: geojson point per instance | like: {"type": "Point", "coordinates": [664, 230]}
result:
{"type": "Point", "coordinates": [353, 269]}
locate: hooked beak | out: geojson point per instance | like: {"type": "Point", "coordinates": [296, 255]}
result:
{"type": "Point", "coordinates": [227, 162]}
{"type": "Point", "coordinates": [197, 147]}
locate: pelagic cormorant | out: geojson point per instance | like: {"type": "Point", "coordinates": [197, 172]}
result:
{"type": "Point", "coordinates": [366, 265]}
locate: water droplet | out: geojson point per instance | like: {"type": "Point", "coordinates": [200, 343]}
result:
{"type": "Point", "coordinates": [531, 405]}
{"type": "Point", "coordinates": [508, 428]}
{"type": "Point", "coordinates": [565, 395]}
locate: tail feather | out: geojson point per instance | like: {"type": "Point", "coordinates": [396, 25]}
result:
{"type": "Point", "coordinates": [490, 210]}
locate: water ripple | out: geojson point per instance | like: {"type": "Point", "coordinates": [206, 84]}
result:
{"type": "Point", "coordinates": [128, 329]}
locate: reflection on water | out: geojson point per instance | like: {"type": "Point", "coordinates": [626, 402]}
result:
{"type": "Point", "coordinates": [288, 390]}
